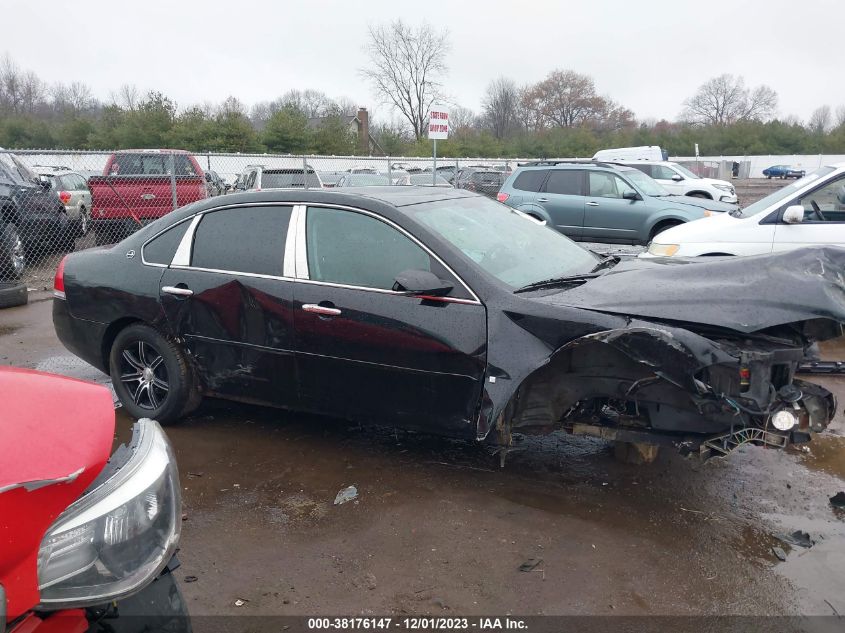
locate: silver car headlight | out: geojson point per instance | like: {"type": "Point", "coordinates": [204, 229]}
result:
{"type": "Point", "coordinates": [727, 188]}
{"type": "Point", "coordinates": [121, 533]}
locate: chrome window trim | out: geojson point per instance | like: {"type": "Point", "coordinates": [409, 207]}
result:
{"type": "Point", "coordinates": [164, 230]}
{"type": "Point", "coordinates": [289, 264]}
{"type": "Point", "coordinates": [232, 272]}
{"type": "Point", "coordinates": [183, 252]}
{"type": "Point", "coordinates": [301, 242]}
{"type": "Point", "coordinates": [301, 250]}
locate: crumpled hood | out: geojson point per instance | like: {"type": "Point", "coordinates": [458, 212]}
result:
{"type": "Point", "coordinates": [745, 294]}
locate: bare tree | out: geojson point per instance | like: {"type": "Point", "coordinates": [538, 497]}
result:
{"type": "Point", "coordinates": [724, 100]}
{"type": "Point", "coordinates": [73, 97]}
{"type": "Point", "coordinates": [840, 116]}
{"type": "Point", "coordinates": [10, 85]}
{"type": "Point", "coordinates": [501, 106]}
{"type": "Point", "coordinates": [820, 120]}
{"type": "Point", "coordinates": [406, 67]}
{"type": "Point", "coordinates": [567, 99]}
{"type": "Point", "coordinates": [461, 119]}
{"type": "Point", "coordinates": [127, 97]}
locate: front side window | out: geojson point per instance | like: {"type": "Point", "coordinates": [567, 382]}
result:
{"type": "Point", "coordinates": [661, 172]}
{"type": "Point", "coordinates": [242, 240]}
{"type": "Point", "coordinates": [784, 193]}
{"type": "Point", "coordinates": [825, 204]}
{"type": "Point", "coordinates": [354, 249]}
{"type": "Point", "coordinates": [605, 185]}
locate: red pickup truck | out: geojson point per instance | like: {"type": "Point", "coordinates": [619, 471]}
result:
{"type": "Point", "coordinates": [139, 186]}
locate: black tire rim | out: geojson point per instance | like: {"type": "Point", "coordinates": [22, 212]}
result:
{"type": "Point", "coordinates": [18, 257]}
{"type": "Point", "coordinates": [144, 375]}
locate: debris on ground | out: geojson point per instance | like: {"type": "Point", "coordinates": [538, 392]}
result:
{"type": "Point", "coordinates": [193, 475]}
{"type": "Point", "coordinates": [530, 564]}
{"type": "Point", "coordinates": [838, 500]}
{"type": "Point", "coordinates": [240, 602]}
{"type": "Point", "coordinates": [346, 494]}
{"type": "Point", "coordinates": [781, 555]}
{"type": "Point", "coordinates": [191, 578]}
{"type": "Point", "coordinates": [797, 538]}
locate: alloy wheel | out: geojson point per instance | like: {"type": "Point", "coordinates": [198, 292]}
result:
{"type": "Point", "coordinates": [18, 257]}
{"type": "Point", "coordinates": [144, 374]}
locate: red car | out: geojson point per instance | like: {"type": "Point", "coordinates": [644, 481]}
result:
{"type": "Point", "coordinates": [87, 536]}
{"type": "Point", "coordinates": [139, 186]}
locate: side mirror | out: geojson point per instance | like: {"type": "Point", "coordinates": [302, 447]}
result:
{"type": "Point", "coordinates": [45, 183]}
{"type": "Point", "coordinates": [207, 177]}
{"type": "Point", "coordinates": [421, 282]}
{"type": "Point", "coordinates": [630, 194]}
{"type": "Point", "coordinates": [793, 214]}
{"type": "Point", "coordinates": [677, 178]}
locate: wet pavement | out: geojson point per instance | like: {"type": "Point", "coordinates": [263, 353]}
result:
{"type": "Point", "coordinates": [438, 528]}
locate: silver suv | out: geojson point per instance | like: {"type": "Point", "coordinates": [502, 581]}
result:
{"type": "Point", "coordinates": [73, 193]}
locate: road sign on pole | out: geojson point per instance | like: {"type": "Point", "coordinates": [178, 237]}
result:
{"type": "Point", "coordinates": [438, 129]}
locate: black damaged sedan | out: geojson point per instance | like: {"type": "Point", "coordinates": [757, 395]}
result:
{"type": "Point", "coordinates": [443, 311]}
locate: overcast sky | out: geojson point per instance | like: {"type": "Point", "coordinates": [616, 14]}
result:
{"type": "Point", "coordinates": [649, 56]}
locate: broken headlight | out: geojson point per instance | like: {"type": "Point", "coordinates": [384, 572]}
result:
{"type": "Point", "coordinates": [119, 535]}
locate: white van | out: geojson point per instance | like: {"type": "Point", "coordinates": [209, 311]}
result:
{"type": "Point", "coordinates": [644, 152]}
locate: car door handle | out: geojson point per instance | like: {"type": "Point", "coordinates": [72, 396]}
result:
{"type": "Point", "coordinates": [176, 290]}
{"type": "Point", "coordinates": [592, 204]}
{"type": "Point", "coordinates": [542, 199]}
{"type": "Point", "coordinates": [317, 309]}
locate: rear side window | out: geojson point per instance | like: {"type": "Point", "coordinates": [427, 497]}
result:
{"type": "Point", "coordinates": [354, 249]}
{"type": "Point", "coordinates": [288, 178]}
{"type": "Point", "coordinates": [150, 165]}
{"type": "Point", "coordinates": [566, 182]}
{"type": "Point", "coordinates": [160, 249]}
{"type": "Point", "coordinates": [646, 169]}
{"type": "Point", "coordinates": [530, 180]}
{"type": "Point", "coordinates": [243, 240]}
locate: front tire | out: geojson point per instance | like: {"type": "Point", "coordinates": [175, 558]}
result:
{"type": "Point", "coordinates": [151, 375]}
{"type": "Point", "coordinates": [12, 253]}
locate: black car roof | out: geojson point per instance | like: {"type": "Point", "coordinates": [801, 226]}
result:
{"type": "Point", "coordinates": [366, 197]}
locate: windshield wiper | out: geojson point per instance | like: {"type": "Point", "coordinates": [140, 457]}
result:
{"type": "Point", "coordinates": [557, 281]}
{"type": "Point", "coordinates": [607, 262]}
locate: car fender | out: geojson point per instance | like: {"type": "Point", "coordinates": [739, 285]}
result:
{"type": "Point", "coordinates": [663, 352]}
{"type": "Point", "coordinates": [533, 208]}
{"type": "Point", "coordinates": [664, 216]}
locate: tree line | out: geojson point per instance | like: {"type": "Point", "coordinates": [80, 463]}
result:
{"type": "Point", "coordinates": [562, 115]}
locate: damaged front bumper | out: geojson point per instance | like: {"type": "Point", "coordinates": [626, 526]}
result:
{"type": "Point", "coordinates": [657, 384]}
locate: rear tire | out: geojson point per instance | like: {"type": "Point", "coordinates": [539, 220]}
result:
{"type": "Point", "coordinates": [151, 375]}
{"type": "Point", "coordinates": [12, 253]}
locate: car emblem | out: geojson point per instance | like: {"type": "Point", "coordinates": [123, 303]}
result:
{"type": "Point", "coordinates": [148, 196]}
{"type": "Point", "coordinates": [130, 254]}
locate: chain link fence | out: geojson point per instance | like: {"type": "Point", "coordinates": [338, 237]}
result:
{"type": "Point", "coordinates": [54, 202]}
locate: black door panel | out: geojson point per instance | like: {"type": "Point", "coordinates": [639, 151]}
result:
{"type": "Point", "coordinates": [239, 329]}
{"type": "Point", "coordinates": [390, 359]}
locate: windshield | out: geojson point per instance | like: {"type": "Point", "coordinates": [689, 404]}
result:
{"type": "Point", "coordinates": [504, 242]}
{"type": "Point", "coordinates": [287, 179]}
{"type": "Point", "coordinates": [782, 194]}
{"type": "Point", "coordinates": [645, 183]}
{"type": "Point", "coordinates": [686, 172]}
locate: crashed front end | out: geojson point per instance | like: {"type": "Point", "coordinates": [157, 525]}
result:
{"type": "Point", "coordinates": [704, 392]}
